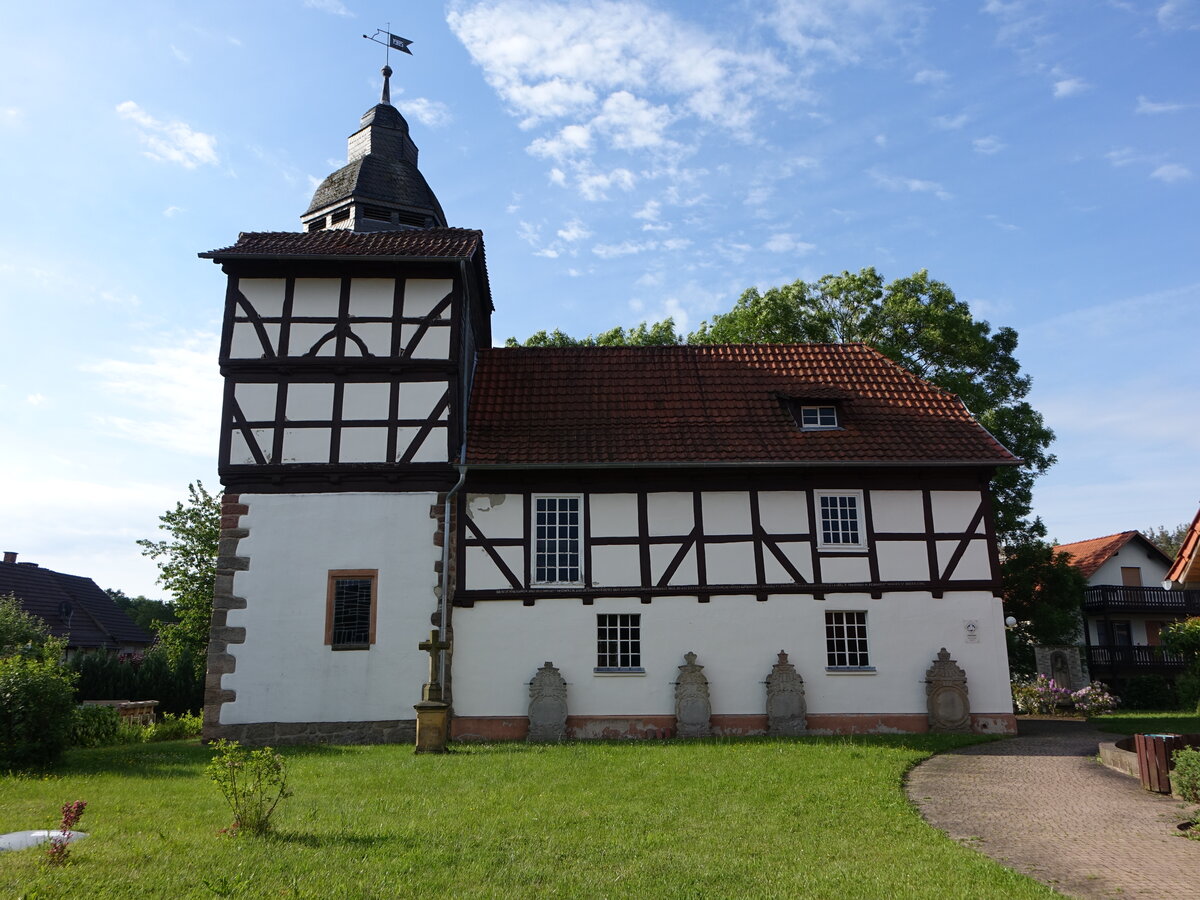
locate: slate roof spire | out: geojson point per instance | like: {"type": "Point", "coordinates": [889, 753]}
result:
{"type": "Point", "coordinates": [380, 188]}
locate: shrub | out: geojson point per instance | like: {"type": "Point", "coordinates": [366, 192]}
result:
{"type": "Point", "coordinates": [56, 854]}
{"type": "Point", "coordinates": [19, 630]}
{"type": "Point", "coordinates": [1149, 692]}
{"type": "Point", "coordinates": [1185, 778]}
{"type": "Point", "coordinates": [1094, 700]}
{"type": "Point", "coordinates": [95, 726]}
{"type": "Point", "coordinates": [150, 677]}
{"type": "Point", "coordinates": [1189, 688]}
{"type": "Point", "coordinates": [171, 728]}
{"type": "Point", "coordinates": [37, 709]}
{"type": "Point", "coordinates": [252, 782]}
{"type": "Point", "coordinates": [1039, 695]}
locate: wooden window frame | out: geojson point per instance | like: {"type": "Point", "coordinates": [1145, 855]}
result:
{"type": "Point", "coordinates": [533, 539]}
{"type": "Point", "coordinates": [818, 410]}
{"type": "Point", "coordinates": [833, 636]}
{"type": "Point", "coordinates": [625, 651]}
{"type": "Point", "coordinates": [859, 515]}
{"type": "Point", "coordinates": [1131, 576]}
{"type": "Point", "coordinates": [333, 576]}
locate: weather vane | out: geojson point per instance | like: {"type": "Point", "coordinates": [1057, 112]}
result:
{"type": "Point", "coordinates": [393, 42]}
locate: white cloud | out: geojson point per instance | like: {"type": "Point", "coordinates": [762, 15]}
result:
{"type": "Point", "coordinates": [844, 30]}
{"type": "Point", "coordinates": [11, 115]}
{"type": "Point", "coordinates": [650, 212]}
{"type": "Point", "coordinates": [951, 123]}
{"type": "Point", "coordinates": [1124, 156]}
{"type": "Point", "coordinates": [881, 140]}
{"type": "Point", "coordinates": [173, 390]}
{"type": "Point", "coordinates": [1003, 226]}
{"type": "Point", "coordinates": [988, 145]}
{"type": "Point", "coordinates": [335, 7]}
{"type": "Point", "coordinates": [625, 248]}
{"type": "Point", "coordinates": [558, 177]}
{"type": "Point", "coordinates": [172, 211]}
{"type": "Point", "coordinates": [1171, 172]}
{"type": "Point", "coordinates": [574, 231]}
{"type": "Point", "coordinates": [170, 141]}
{"type": "Point", "coordinates": [913, 185]}
{"type": "Point", "coordinates": [1147, 107]}
{"type": "Point", "coordinates": [787, 243]}
{"type": "Point", "coordinates": [1179, 14]}
{"type": "Point", "coordinates": [1069, 87]}
{"type": "Point", "coordinates": [930, 76]}
{"type": "Point", "coordinates": [676, 244]}
{"type": "Point", "coordinates": [571, 140]}
{"type": "Point", "coordinates": [757, 196]}
{"type": "Point", "coordinates": [180, 54]}
{"type": "Point", "coordinates": [632, 123]}
{"type": "Point", "coordinates": [594, 186]}
{"type": "Point", "coordinates": [428, 112]}
{"type": "Point", "coordinates": [35, 399]}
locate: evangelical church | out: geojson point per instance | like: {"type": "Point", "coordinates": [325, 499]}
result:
{"type": "Point", "coordinates": [610, 542]}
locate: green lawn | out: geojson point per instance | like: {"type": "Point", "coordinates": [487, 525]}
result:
{"type": "Point", "coordinates": [810, 817]}
{"type": "Point", "coordinates": [1134, 721]}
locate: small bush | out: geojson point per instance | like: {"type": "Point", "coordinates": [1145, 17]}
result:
{"type": "Point", "coordinates": [1185, 778]}
{"type": "Point", "coordinates": [1148, 692]}
{"type": "Point", "coordinates": [252, 782]}
{"type": "Point", "coordinates": [95, 726]}
{"type": "Point", "coordinates": [1094, 700]}
{"type": "Point", "coordinates": [57, 853]}
{"type": "Point", "coordinates": [37, 709]}
{"type": "Point", "coordinates": [171, 728]}
{"type": "Point", "coordinates": [1039, 695]}
{"type": "Point", "coordinates": [1189, 688]}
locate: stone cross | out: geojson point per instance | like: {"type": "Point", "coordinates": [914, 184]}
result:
{"type": "Point", "coordinates": [434, 646]}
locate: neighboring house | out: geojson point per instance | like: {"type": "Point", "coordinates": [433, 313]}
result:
{"type": "Point", "coordinates": [610, 509]}
{"type": "Point", "coordinates": [1126, 606]}
{"type": "Point", "coordinates": [1184, 573]}
{"type": "Point", "coordinates": [73, 607]}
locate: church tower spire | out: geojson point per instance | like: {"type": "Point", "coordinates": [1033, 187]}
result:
{"type": "Point", "coordinates": [380, 188]}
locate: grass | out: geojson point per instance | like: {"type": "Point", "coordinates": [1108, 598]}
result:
{"type": "Point", "coordinates": [808, 817]}
{"type": "Point", "coordinates": [1136, 721]}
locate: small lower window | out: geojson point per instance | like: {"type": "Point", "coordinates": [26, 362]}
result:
{"type": "Point", "coordinates": [846, 640]}
{"type": "Point", "coordinates": [619, 642]}
{"type": "Point", "coordinates": [350, 609]}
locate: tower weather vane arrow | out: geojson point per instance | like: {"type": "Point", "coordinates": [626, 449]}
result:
{"type": "Point", "coordinates": [393, 42]}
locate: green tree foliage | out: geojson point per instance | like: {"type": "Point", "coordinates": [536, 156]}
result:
{"type": "Point", "coordinates": [176, 683]}
{"type": "Point", "coordinates": [149, 614]}
{"type": "Point", "coordinates": [1168, 540]}
{"type": "Point", "coordinates": [916, 321]}
{"type": "Point", "coordinates": [37, 707]}
{"type": "Point", "coordinates": [187, 566]}
{"type": "Point", "coordinates": [1043, 591]}
{"type": "Point", "coordinates": [1184, 638]}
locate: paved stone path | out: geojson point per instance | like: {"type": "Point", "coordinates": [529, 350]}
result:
{"type": "Point", "coordinates": [1041, 804]}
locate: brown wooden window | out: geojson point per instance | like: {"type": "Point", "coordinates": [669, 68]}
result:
{"type": "Point", "coordinates": [350, 609]}
{"type": "Point", "coordinates": [1131, 576]}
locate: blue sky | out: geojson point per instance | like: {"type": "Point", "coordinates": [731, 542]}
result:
{"type": "Point", "coordinates": [626, 161]}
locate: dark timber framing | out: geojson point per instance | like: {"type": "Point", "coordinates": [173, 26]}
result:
{"type": "Point", "coordinates": [765, 545]}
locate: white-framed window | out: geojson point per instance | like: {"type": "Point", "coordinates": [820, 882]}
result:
{"type": "Point", "coordinates": [840, 523]}
{"type": "Point", "coordinates": [557, 542]}
{"type": "Point", "coordinates": [846, 641]}
{"type": "Point", "coordinates": [814, 418]}
{"type": "Point", "coordinates": [619, 642]}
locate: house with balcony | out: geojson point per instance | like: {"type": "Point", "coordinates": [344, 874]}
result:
{"type": "Point", "coordinates": [1126, 606]}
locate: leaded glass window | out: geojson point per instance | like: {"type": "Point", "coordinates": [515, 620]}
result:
{"type": "Point", "coordinates": [846, 640]}
{"type": "Point", "coordinates": [840, 524]}
{"type": "Point", "coordinates": [556, 550]}
{"type": "Point", "coordinates": [618, 641]}
{"type": "Point", "coordinates": [350, 613]}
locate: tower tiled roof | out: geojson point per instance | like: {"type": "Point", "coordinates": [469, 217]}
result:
{"type": "Point", "coordinates": [416, 243]}
{"type": "Point", "coordinates": [713, 404]}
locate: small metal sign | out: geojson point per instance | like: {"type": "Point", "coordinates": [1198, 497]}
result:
{"type": "Point", "coordinates": [971, 627]}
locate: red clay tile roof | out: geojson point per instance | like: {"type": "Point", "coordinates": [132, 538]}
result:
{"type": "Point", "coordinates": [449, 243]}
{"type": "Point", "coordinates": [710, 404]}
{"type": "Point", "coordinates": [1090, 555]}
{"type": "Point", "coordinates": [1186, 568]}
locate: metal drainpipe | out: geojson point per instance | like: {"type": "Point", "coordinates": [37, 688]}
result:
{"type": "Point", "coordinates": [445, 585]}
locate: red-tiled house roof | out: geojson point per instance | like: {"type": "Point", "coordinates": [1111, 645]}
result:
{"type": "Point", "coordinates": [74, 607]}
{"type": "Point", "coordinates": [1186, 568]}
{"type": "Point", "coordinates": [713, 404]}
{"type": "Point", "coordinates": [1088, 556]}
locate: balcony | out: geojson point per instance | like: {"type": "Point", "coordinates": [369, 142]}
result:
{"type": "Point", "coordinates": [1107, 660]}
{"type": "Point", "coordinates": [1111, 598]}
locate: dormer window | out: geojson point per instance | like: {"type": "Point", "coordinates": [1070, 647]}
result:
{"type": "Point", "coordinates": [815, 418]}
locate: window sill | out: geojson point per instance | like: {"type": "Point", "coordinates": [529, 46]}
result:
{"type": "Point", "coordinates": [849, 670]}
{"type": "Point", "coordinates": [842, 548]}
{"type": "Point", "coordinates": [614, 671]}
{"type": "Point", "coordinates": [350, 647]}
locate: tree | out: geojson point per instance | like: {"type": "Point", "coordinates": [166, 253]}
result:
{"type": "Point", "coordinates": [149, 614]}
{"type": "Point", "coordinates": [187, 567]}
{"type": "Point", "coordinates": [917, 322]}
{"type": "Point", "coordinates": [18, 629]}
{"type": "Point", "coordinates": [37, 704]}
{"type": "Point", "coordinates": [643, 335]}
{"type": "Point", "coordinates": [1168, 540]}
{"type": "Point", "coordinates": [1043, 591]}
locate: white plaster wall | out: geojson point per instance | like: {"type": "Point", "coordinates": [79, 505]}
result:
{"type": "Point", "coordinates": [783, 512]}
{"type": "Point", "coordinates": [257, 401]}
{"type": "Point", "coordinates": [499, 646]}
{"type": "Point", "coordinates": [285, 672]}
{"type": "Point", "coordinates": [613, 515]}
{"type": "Point", "coordinates": [952, 510]}
{"type": "Point", "coordinates": [246, 343]}
{"type": "Point", "coordinates": [726, 512]}
{"type": "Point", "coordinates": [902, 560]}
{"type": "Point", "coordinates": [264, 294]}
{"type": "Point", "coordinates": [421, 295]}
{"type": "Point", "coordinates": [671, 513]}
{"type": "Point", "coordinates": [1132, 554]}
{"type": "Point", "coordinates": [316, 297]}
{"type": "Point", "coordinates": [372, 297]}
{"type": "Point", "coordinates": [898, 511]}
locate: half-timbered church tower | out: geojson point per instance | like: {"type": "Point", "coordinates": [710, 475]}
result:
{"type": "Point", "coordinates": [656, 523]}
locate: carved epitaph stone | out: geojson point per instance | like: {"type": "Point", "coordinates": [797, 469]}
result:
{"type": "Point", "coordinates": [946, 690]}
{"type": "Point", "coordinates": [786, 708]}
{"type": "Point", "coordinates": [1062, 663]}
{"type": "Point", "coordinates": [547, 705]}
{"type": "Point", "coordinates": [692, 707]}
